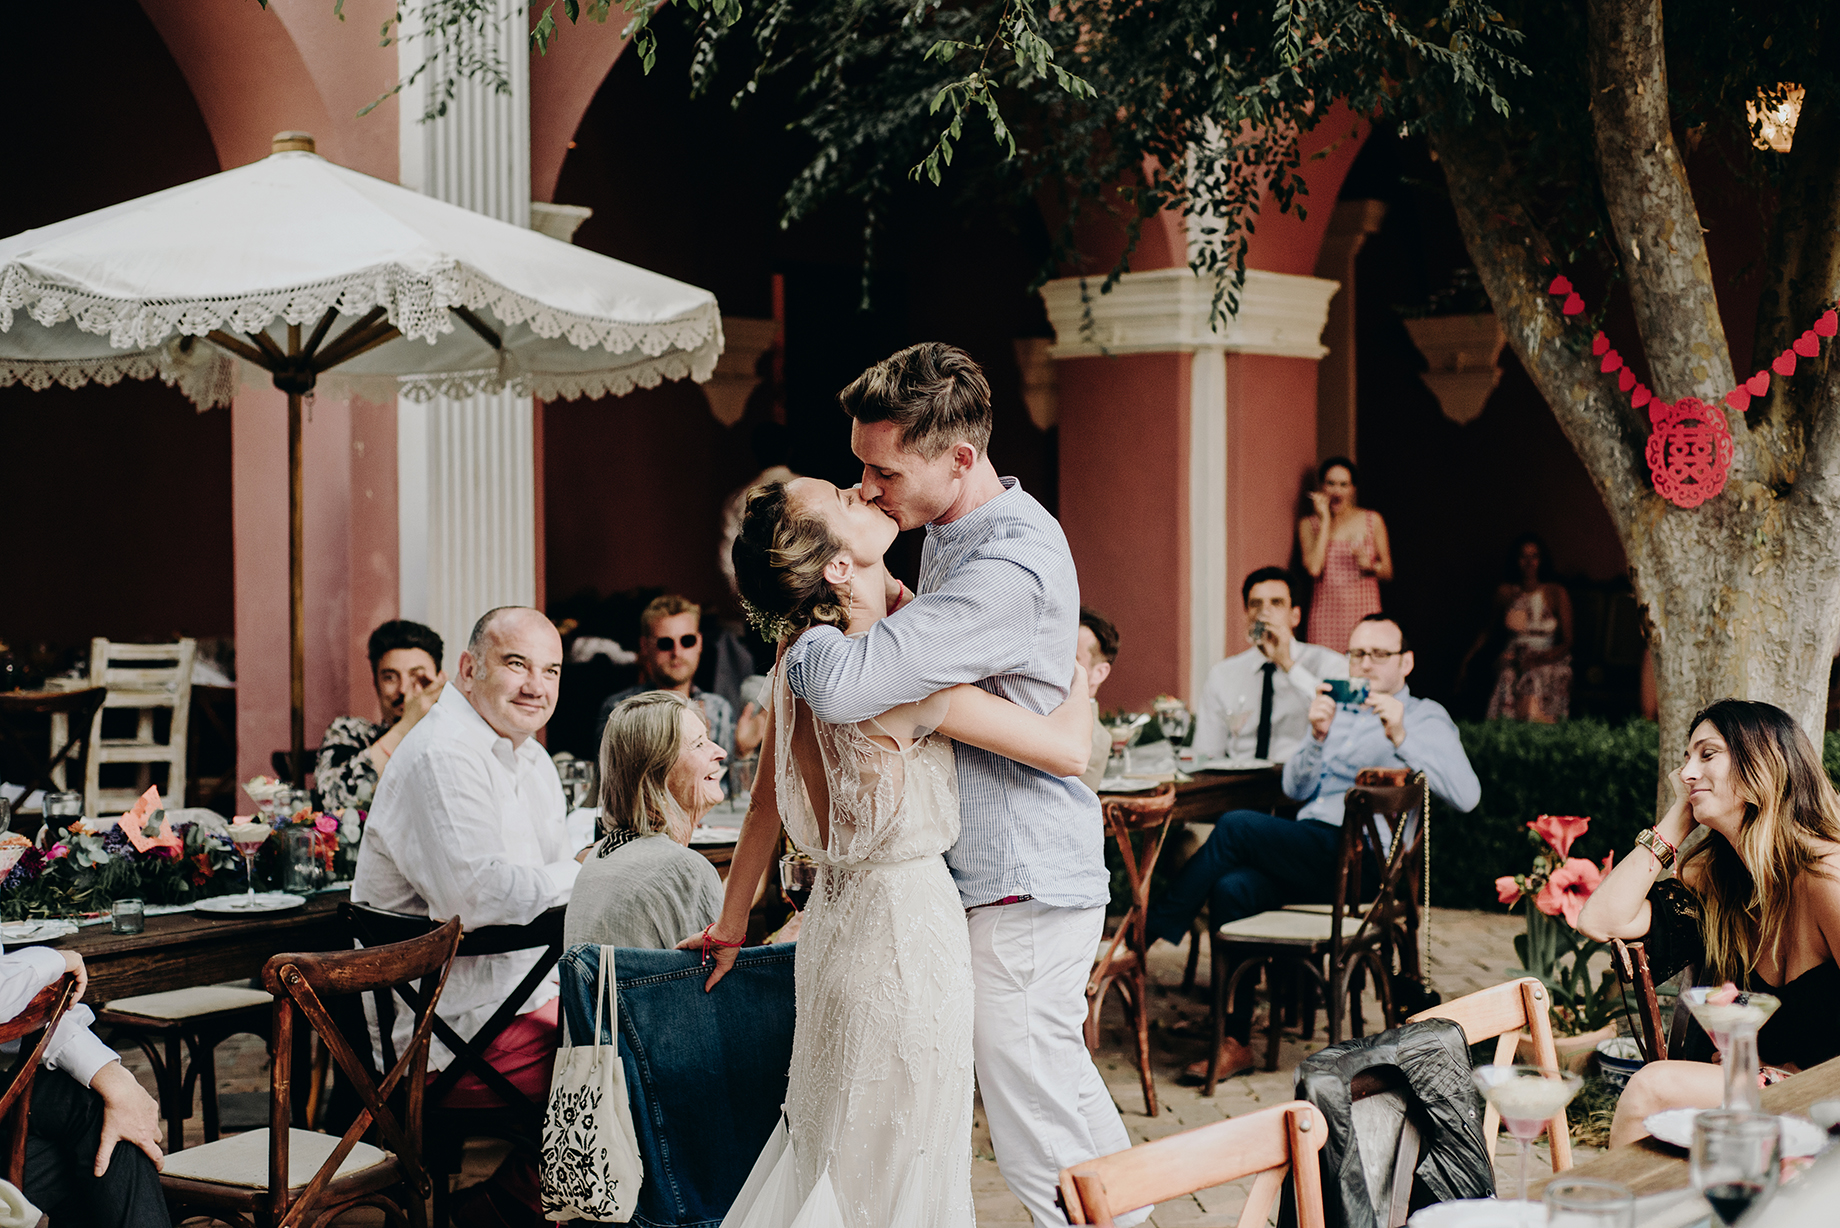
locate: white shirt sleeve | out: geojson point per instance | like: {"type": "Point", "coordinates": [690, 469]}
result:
{"type": "Point", "coordinates": [74, 1049]}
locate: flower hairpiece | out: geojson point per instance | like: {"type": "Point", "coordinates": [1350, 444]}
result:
{"type": "Point", "coordinates": [770, 626]}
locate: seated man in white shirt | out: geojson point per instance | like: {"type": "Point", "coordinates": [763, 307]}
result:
{"type": "Point", "coordinates": [93, 1136]}
{"type": "Point", "coordinates": [1256, 705]}
{"type": "Point", "coordinates": [1095, 650]}
{"type": "Point", "coordinates": [468, 822]}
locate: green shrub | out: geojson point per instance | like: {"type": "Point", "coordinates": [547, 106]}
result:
{"type": "Point", "coordinates": [1590, 767]}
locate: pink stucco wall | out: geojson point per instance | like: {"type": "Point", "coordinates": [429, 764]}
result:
{"type": "Point", "coordinates": [1124, 508]}
{"type": "Point", "coordinates": [1271, 445]}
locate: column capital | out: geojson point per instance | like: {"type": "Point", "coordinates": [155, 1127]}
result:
{"type": "Point", "coordinates": [1167, 310]}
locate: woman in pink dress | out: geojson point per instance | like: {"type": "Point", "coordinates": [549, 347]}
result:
{"type": "Point", "coordinates": [1345, 548]}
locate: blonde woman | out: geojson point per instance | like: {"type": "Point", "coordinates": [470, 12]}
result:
{"type": "Point", "coordinates": [877, 1128]}
{"type": "Point", "coordinates": [641, 885]}
{"type": "Point", "coordinates": [1757, 901]}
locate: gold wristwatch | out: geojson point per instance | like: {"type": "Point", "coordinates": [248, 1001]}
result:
{"type": "Point", "coordinates": [1651, 840]}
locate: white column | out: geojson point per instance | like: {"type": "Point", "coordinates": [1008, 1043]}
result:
{"type": "Point", "coordinates": [467, 477]}
{"type": "Point", "coordinates": [1168, 311]}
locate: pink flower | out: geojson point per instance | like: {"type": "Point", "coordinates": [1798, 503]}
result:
{"type": "Point", "coordinates": [326, 823]}
{"type": "Point", "coordinates": [56, 851]}
{"type": "Point", "coordinates": [1568, 888]}
{"type": "Point", "coordinates": [1559, 830]}
{"type": "Point", "coordinates": [1507, 890]}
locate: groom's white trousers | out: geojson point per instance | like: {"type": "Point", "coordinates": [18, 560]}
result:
{"type": "Point", "coordinates": [1047, 1106]}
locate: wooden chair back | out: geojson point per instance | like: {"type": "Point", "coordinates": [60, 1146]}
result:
{"type": "Point", "coordinates": [143, 677]}
{"type": "Point", "coordinates": [376, 925]}
{"type": "Point", "coordinates": [307, 985]}
{"type": "Point", "coordinates": [72, 713]}
{"type": "Point", "coordinates": [1657, 1040]}
{"type": "Point", "coordinates": [1273, 1143]}
{"type": "Point", "coordinates": [282, 763]}
{"type": "Point", "coordinates": [35, 1024]}
{"type": "Point", "coordinates": [1501, 1014]}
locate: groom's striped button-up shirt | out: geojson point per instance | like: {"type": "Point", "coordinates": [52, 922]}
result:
{"type": "Point", "coordinates": [999, 605]}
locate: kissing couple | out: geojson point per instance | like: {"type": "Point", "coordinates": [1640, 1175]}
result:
{"type": "Point", "coordinates": [924, 750]}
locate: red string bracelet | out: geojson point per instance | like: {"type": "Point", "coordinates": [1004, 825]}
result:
{"type": "Point", "coordinates": [710, 940]}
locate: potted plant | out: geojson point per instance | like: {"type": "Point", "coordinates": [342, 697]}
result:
{"type": "Point", "coordinates": [1552, 949]}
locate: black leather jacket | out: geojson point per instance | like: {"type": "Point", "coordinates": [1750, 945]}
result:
{"type": "Point", "coordinates": [1441, 1100]}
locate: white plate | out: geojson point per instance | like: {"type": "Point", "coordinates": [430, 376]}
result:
{"type": "Point", "coordinates": [1480, 1213]}
{"type": "Point", "coordinates": [1232, 765]}
{"type": "Point", "coordinates": [1800, 1136]}
{"type": "Point", "coordinates": [36, 931]}
{"type": "Point", "coordinates": [1128, 784]}
{"type": "Point", "coordinates": [715, 835]}
{"type": "Point", "coordinates": [243, 906]}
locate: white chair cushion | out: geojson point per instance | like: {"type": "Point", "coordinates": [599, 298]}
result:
{"type": "Point", "coordinates": [190, 1003]}
{"type": "Point", "coordinates": [243, 1160]}
{"type": "Point", "coordinates": [1285, 927]}
{"type": "Point", "coordinates": [1354, 910]}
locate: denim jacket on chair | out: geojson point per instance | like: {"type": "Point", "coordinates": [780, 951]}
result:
{"type": "Point", "coordinates": [706, 1071]}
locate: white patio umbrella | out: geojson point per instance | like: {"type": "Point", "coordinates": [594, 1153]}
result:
{"type": "Point", "coordinates": [315, 276]}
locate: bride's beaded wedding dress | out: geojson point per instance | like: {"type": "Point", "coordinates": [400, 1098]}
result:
{"type": "Point", "coordinates": [877, 1125]}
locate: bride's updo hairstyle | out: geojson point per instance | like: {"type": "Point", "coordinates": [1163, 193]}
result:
{"type": "Point", "coordinates": [779, 560]}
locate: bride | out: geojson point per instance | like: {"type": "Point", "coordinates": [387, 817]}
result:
{"type": "Point", "coordinates": [877, 1124]}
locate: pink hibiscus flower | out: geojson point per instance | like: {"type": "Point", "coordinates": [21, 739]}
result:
{"type": "Point", "coordinates": [1559, 830]}
{"type": "Point", "coordinates": [1568, 888]}
{"type": "Point", "coordinates": [1507, 890]}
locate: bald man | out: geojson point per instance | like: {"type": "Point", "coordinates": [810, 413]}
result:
{"type": "Point", "coordinates": [468, 822]}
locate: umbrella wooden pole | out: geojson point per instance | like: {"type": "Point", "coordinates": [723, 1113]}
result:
{"type": "Point", "coordinates": [297, 601]}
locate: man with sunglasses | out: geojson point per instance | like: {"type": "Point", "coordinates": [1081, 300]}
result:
{"type": "Point", "coordinates": [670, 650]}
{"type": "Point", "coordinates": [1253, 862]}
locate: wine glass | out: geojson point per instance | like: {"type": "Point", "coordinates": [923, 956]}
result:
{"type": "Point", "coordinates": [1237, 716]}
{"type": "Point", "coordinates": [1732, 1017]}
{"type": "Point", "coordinates": [1175, 720]}
{"type": "Point", "coordinates": [1528, 1098]}
{"type": "Point", "coordinates": [1735, 1160]}
{"type": "Point", "coordinates": [1580, 1202]}
{"type": "Point", "coordinates": [798, 874]}
{"type": "Point", "coordinates": [248, 837]}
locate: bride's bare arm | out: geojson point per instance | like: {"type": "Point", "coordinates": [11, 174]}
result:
{"type": "Point", "coordinates": [753, 855]}
{"type": "Point", "coordinates": [1059, 743]}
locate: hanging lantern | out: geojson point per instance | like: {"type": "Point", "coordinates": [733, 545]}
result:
{"type": "Point", "coordinates": [1689, 451]}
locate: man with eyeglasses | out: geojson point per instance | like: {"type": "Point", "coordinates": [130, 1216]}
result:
{"type": "Point", "coordinates": [670, 650]}
{"type": "Point", "coordinates": [1255, 862]}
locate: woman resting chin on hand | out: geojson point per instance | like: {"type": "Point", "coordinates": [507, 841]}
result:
{"type": "Point", "coordinates": [1753, 779]}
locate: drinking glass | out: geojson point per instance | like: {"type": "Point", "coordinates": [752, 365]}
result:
{"type": "Point", "coordinates": [577, 776]}
{"type": "Point", "coordinates": [61, 810]}
{"type": "Point", "coordinates": [1175, 720]}
{"type": "Point", "coordinates": [1733, 1026]}
{"type": "Point", "coordinates": [741, 771]}
{"type": "Point", "coordinates": [303, 860]}
{"type": "Point", "coordinates": [798, 874]}
{"type": "Point", "coordinates": [1735, 1160]}
{"type": "Point", "coordinates": [128, 917]}
{"type": "Point", "coordinates": [1237, 716]}
{"type": "Point", "coordinates": [249, 837]}
{"type": "Point", "coordinates": [1527, 1097]}
{"type": "Point", "coordinates": [1125, 730]}
{"type": "Point", "coordinates": [1580, 1202]}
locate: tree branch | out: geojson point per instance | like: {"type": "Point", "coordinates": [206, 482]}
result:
{"type": "Point", "coordinates": [1659, 241]}
{"type": "Point", "coordinates": [1513, 259]}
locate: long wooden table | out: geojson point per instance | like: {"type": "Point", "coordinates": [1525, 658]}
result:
{"type": "Point", "coordinates": [192, 948]}
{"type": "Point", "coordinates": [1211, 794]}
{"type": "Point", "coordinates": [1652, 1167]}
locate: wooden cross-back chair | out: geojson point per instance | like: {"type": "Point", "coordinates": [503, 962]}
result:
{"type": "Point", "coordinates": [520, 1119]}
{"type": "Point", "coordinates": [1658, 1041]}
{"type": "Point", "coordinates": [72, 715]}
{"type": "Point", "coordinates": [1123, 965]}
{"type": "Point", "coordinates": [308, 1177]}
{"type": "Point", "coordinates": [1337, 949]}
{"type": "Point", "coordinates": [1501, 1014]}
{"type": "Point", "coordinates": [1275, 1143]}
{"type": "Point", "coordinates": [32, 1028]}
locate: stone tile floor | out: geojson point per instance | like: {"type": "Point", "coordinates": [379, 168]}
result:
{"type": "Point", "coordinates": [1468, 951]}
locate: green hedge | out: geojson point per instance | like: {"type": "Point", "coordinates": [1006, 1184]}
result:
{"type": "Point", "coordinates": [1589, 767]}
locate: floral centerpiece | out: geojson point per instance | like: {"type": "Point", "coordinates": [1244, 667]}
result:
{"type": "Point", "coordinates": [1552, 948]}
{"type": "Point", "coordinates": [145, 855]}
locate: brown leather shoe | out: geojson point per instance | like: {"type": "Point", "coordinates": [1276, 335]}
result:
{"type": "Point", "coordinates": [1235, 1059]}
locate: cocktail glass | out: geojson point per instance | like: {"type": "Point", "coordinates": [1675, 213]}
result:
{"type": "Point", "coordinates": [1125, 731]}
{"type": "Point", "coordinates": [1528, 1098]}
{"type": "Point", "coordinates": [1732, 1018]}
{"type": "Point", "coordinates": [248, 837]}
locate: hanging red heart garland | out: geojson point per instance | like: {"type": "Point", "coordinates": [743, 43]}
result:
{"type": "Point", "coordinates": [1689, 450]}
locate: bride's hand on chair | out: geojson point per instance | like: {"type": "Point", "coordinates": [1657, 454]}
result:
{"type": "Point", "coordinates": [718, 949]}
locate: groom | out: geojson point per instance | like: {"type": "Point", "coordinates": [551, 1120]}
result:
{"type": "Point", "coordinates": [999, 605]}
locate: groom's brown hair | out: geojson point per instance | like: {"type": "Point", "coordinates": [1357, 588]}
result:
{"type": "Point", "coordinates": [936, 394]}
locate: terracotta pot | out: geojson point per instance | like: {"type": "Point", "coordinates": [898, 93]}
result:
{"type": "Point", "coordinates": [1574, 1051]}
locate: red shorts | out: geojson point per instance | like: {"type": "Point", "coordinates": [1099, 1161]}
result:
{"type": "Point", "coordinates": [525, 1053]}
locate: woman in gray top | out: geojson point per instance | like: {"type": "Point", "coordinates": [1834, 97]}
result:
{"type": "Point", "coordinates": [641, 885]}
